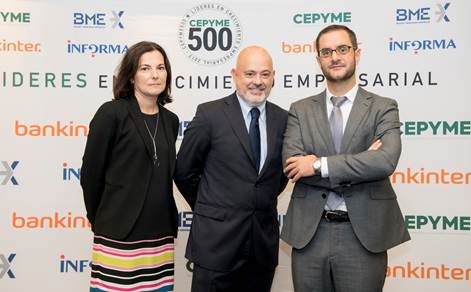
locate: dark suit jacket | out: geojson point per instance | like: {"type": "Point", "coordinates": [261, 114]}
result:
{"type": "Point", "coordinates": [231, 201]}
{"type": "Point", "coordinates": [361, 176]}
{"type": "Point", "coordinates": [117, 166]}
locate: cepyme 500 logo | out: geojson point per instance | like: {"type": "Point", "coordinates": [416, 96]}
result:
{"type": "Point", "coordinates": [5, 265]}
{"type": "Point", "coordinates": [7, 172]}
{"type": "Point", "coordinates": [210, 34]}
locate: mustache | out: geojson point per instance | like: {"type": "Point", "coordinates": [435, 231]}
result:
{"type": "Point", "coordinates": [256, 86]}
{"type": "Point", "coordinates": [336, 63]}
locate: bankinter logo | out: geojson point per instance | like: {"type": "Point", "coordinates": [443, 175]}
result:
{"type": "Point", "coordinates": [56, 221]}
{"type": "Point", "coordinates": [424, 272]}
{"type": "Point", "coordinates": [57, 129]}
{"type": "Point", "coordinates": [425, 176]}
{"type": "Point", "coordinates": [287, 47]}
{"type": "Point", "coordinates": [19, 46]}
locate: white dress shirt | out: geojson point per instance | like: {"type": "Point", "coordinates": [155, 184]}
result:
{"type": "Point", "coordinates": [345, 108]}
{"type": "Point", "coordinates": [262, 122]}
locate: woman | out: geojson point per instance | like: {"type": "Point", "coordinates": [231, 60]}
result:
{"type": "Point", "coordinates": [126, 177]}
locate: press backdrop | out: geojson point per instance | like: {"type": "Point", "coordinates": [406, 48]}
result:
{"type": "Point", "coordinates": [57, 59]}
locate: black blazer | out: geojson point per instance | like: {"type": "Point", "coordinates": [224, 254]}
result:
{"type": "Point", "coordinates": [117, 166]}
{"type": "Point", "coordinates": [231, 201]}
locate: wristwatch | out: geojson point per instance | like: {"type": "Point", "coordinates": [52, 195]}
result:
{"type": "Point", "coordinates": [317, 166]}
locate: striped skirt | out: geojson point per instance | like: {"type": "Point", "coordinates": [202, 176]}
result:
{"type": "Point", "coordinates": [145, 265]}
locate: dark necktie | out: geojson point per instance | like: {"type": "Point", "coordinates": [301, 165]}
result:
{"type": "Point", "coordinates": [336, 127]}
{"type": "Point", "coordinates": [254, 135]}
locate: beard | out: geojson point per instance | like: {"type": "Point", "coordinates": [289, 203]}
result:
{"type": "Point", "coordinates": [350, 72]}
{"type": "Point", "coordinates": [253, 99]}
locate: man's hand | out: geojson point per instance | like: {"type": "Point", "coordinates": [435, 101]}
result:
{"type": "Point", "coordinates": [376, 145]}
{"type": "Point", "coordinates": [297, 167]}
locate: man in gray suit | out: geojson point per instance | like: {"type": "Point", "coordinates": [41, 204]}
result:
{"type": "Point", "coordinates": [340, 148]}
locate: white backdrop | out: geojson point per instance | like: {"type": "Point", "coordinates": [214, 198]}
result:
{"type": "Point", "coordinates": [56, 63]}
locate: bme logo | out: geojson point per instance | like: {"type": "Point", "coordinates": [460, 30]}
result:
{"type": "Point", "coordinates": [5, 265]}
{"type": "Point", "coordinates": [421, 15]}
{"type": "Point", "coordinates": [98, 20]}
{"type": "Point", "coordinates": [8, 172]}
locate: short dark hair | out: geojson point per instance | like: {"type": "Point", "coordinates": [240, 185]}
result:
{"type": "Point", "coordinates": [122, 85]}
{"type": "Point", "coordinates": [351, 35]}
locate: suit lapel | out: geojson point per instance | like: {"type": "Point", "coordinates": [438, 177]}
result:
{"type": "Point", "coordinates": [360, 106]}
{"type": "Point", "coordinates": [234, 114]}
{"type": "Point", "coordinates": [166, 125]}
{"type": "Point", "coordinates": [135, 112]}
{"type": "Point", "coordinates": [272, 127]}
{"type": "Point", "coordinates": [322, 121]}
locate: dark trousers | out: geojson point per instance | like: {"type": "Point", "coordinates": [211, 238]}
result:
{"type": "Point", "coordinates": [246, 276]}
{"type": "Point", "coordinates": [335, 260]}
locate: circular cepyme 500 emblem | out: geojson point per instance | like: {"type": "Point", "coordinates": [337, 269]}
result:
{"type": "Point", "coordinates": [210, 34]}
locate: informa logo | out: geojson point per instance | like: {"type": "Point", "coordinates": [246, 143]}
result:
{"type": "Point", "coordinates": [422, 271]}
{"type": "Point", "coordinates": [55, 129]}
{"type": "Point", "coordinates": [20, 46]}
{"type": "Point", "coordinates": [5, 265]}
{"type": "Point", "coordinates": [15, 17]}
{"type": "Point", "coordinates": [423, 176]}
{"type": "Point", "coordinates": [322, 17]}
{"type": "Point", "coordinates": [423, 14]}
{"type": "Point", "coordinates": [95, 49]}
{"type": "Point", "coordinates": [7, 172]}
{"type": "Point", "coordinates": [210, 34]}
{"type": "Point", "coordinates": [438, 223]}
{"type": "Point", "coordinates": [55, 221]}
{"type": "Point", "coordinates": [70, 173]}
{"type": "Point", "coordinates": [101, 20]}
{"type": "Point", "coordinates": [421, 45]}
{"type": "Point", "coordinates": [74, 266]}
{"type": "Point", "coordinates": [436, 128]}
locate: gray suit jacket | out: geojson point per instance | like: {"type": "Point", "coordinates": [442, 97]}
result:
{"type": "Point", "coordinates": [361, 176]}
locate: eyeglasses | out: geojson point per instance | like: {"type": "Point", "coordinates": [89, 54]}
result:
{"type": "Point", "coordinates": [327, 52]}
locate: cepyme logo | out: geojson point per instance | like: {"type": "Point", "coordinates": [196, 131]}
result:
{"type": "Point", "coordinates": [7, 173]}
{"type": "Point", "coordinates": [5, 265]}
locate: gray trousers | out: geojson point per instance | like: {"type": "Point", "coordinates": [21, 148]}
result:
{"type": "Point", "coordinates": [335, 261]}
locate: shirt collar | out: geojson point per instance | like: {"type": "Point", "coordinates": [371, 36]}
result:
{"type": "Point", "coordinates": [245, 107]}
{"type": "Point", "coordinates": [350, 95]}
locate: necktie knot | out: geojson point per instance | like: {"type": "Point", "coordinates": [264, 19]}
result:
{"type": "Point", "coordinates": [337, 101]}
{"type": "Point", "coordinates": [255, 113]}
